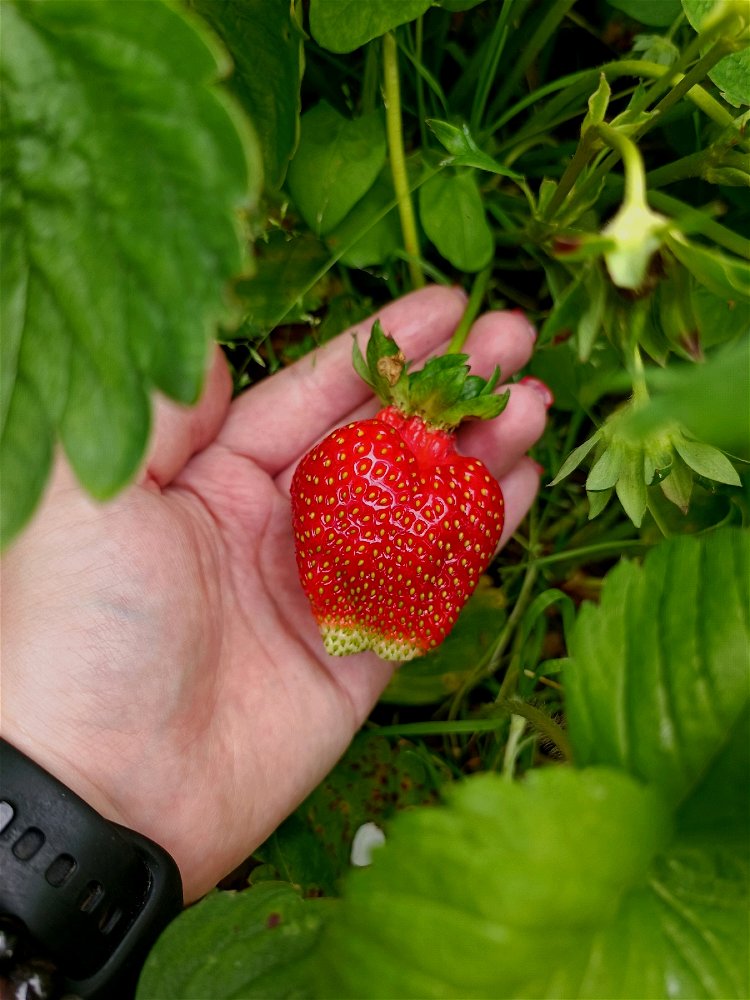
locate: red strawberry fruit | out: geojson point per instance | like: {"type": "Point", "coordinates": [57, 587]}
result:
{"type": "Point", "coordinates": [393, 528]}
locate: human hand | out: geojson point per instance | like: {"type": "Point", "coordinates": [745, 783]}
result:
{"type": "Point", "coordinates": [159, 655]}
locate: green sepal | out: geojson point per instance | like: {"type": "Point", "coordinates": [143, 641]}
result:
{"type": "Point", "coordinates": [379, 346]}
{"type": "Point", "coordinates": [443, 392]}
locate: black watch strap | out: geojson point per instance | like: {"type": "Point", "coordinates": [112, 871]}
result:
{"type": "Point", "coordinates": [93, 894]}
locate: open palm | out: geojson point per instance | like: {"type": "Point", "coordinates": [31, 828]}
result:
{"type": "Point", "coordinates": [159, 655]}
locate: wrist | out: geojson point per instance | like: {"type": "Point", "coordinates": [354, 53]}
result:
{"type": "Point", "coordinates": [70, 771]}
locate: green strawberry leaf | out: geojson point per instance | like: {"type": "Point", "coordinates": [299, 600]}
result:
{"type": "Point", "coordinates": [732, 73]}
{"type": "Point", "coordinates": [370, 232]}
{"type": "Point", "coordinates": [286, 283]}
{"type": "Point", "coordinates": [459, 901]}
{"type": "Point", "coordinates": [265, 44]}
{"type": "Point", "coordinates": [374, 780]}
{"type": "Point", "coordinates": [568, 306]}
{"type": "Point", "coordinates": [710, 400]}
{"type": "Point", "coordinates": [592, 316]}
{"type": "Point", "coordinates": [659, 13]}
{"type": "Point", "coordinates": [336, 163]}
{"type": "Point", "coordinates": [236, 946]}
{"type": "Point", "coordinates": [26, 461]}
{"type": "Point", "coordinates": [464, 151]}
{"type": "Point", "coordinates": [660, 667]}
{"type": "Point", "coordinates": [722, 274]}
{"type": "Point", "coordinates": [119, 211]}
{"type": "Point", "coordinates": [344, 25]}
{"type": "Point", "coordinates": [458, 5]}
{"type": "Point", "coordinates": [452, 213]}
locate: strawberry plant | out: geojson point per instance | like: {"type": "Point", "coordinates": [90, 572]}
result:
{"type": "Point", "coordinates": [560, 780]}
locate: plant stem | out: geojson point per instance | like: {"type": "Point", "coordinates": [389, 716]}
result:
{"type": "Point", "coordinates": [437, 728]}
{"type": "Point", "coordinates": [517, 727]}
{"type": "Point", "coordinates": [711, 229]}
{"type": "Point", "coordinates": [470, 312]}
{"type": "Point", "coordinates": [683, 85]}
{"type": "Point", "coordinates": [599, 548]}
{"type": "Point", "coordinates": [532, 47]}
{"type": "Point", "coordinates": [692, 165]}
{"type": "Point", "coordinates": [419, 83]}
{"type": "Point", "coordinates": [543, 723]}
{"type": "Point", "coordinates": [578, 163]}
{"type": "Point", "coordinates": [544, 120]}
{"type": "Point", "coordinates": [635, 175]}
{"type": "Point", "coordinates": [394, 129]}
{"type": "Point", "coordinates": [490, 665]}
{"type": "Point", "coordinates": [717, 51]}
{"type": "Point", "coordinates": [489, 67]}
{"type": "Point", "coordinates": [638, 373]}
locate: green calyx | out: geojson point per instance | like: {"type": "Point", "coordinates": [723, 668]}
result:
{"type": "Point", "coordinates": [443, 392]}
{"type": "Point", "coordinates": [629, 463]}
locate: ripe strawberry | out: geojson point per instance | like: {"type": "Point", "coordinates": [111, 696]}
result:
{"type": "Point", "coordinates": [393, 527]}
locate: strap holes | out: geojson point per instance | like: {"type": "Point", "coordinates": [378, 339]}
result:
{"type": "Point", "coordinates": [109, 919]}
{"type": "Point", "coordinates": [91, 896]}
{"type": "Point", "coordinates": [60, 870]}
{"type": "Point", "coordinates": [28, 844]}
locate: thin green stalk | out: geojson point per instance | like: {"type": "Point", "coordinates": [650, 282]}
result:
{"type": "Point", "coordinates": [532, 47]}
{"type": "Point", "coordinates": [711, 229]}
{"type": "Point", "coordinates": [419, 83]}
{"type": "Point", "coordinates": [638, 374]}
{"type": "Point", "coordinates": [394, 130]}
{"type": "Point", "coordinates": [491, 663]}
{"type": "Point", "coordinates": [584, 152]}
{"type": "Point", "coordinates": [471, 311]}
{"type": "Point", "coordinates": [489, 68]}
{"type": "Point", "coordinates": [586, 79]}
{"type": "Point", "coordinates": [683, 85]}
{"type": "Point", "coordinates": [673, 74]}
{"type": "Point", "coordinates": [635, 176]}
{"type": "Point", "coordinates": [517, 727]}
{"type": "Point", "coordinates": [692, 165]}
{"type": "Point", "coordinates": [600, 548]}
{"type": "Point", "coordinates": [437, 728]}
{"type": "Point", "coordinates": [543, 723]}
{"type": "Point", "coordinates": [702, 68]}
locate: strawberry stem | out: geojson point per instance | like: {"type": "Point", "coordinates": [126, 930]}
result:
{"type": "Point", "coordinates": [394, 128]}
{"type": "Point", "coordinates": [476, 296]}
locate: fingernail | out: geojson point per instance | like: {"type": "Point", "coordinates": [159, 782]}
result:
{"type": "Point", "coordinates": [529, 325]}
{"type": "Point", "coordinates": [540, 388]}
